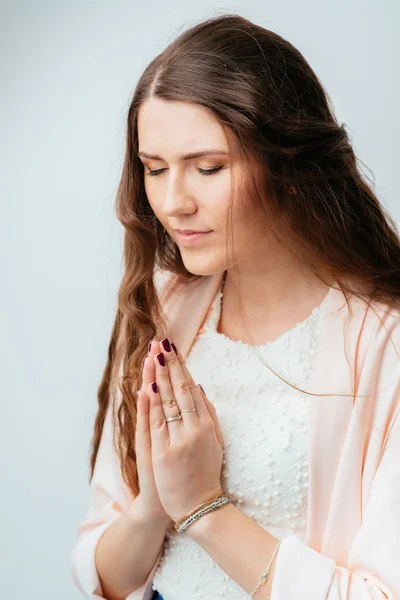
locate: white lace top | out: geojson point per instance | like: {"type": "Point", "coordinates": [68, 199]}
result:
{"type": "Point", "coordinates": [264, 423]}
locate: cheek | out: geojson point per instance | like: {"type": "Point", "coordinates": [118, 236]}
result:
{"type": "Point", "coordinates": [163, 220]}
{"type": "Point", "coordinates": [216, 203]}
{"type": "Point", "coordinates": [156, 207]}
{"type": "Point", "coordinates": [245, 224]}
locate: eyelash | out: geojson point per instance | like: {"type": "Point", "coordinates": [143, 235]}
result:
{"type": "Point", "coordinates": [205, 172]}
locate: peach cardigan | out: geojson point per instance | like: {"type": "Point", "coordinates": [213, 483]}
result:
{"type": "Point", "coordinates": [352, 545]}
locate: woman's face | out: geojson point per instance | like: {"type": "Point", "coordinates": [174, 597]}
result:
{"type": "Point", "coordinates": [193, 193]}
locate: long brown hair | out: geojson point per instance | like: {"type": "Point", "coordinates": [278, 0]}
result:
{"type": "Point", "coordinates": [276, 113]}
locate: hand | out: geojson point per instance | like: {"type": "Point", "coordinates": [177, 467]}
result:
{"type": "Point", "coordinates": [187, 454]}
{"type": "Point", "coordinates": [148, 491]}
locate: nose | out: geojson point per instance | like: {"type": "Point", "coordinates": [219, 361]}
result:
{"type": "Point", "coordinates": [178, 197]}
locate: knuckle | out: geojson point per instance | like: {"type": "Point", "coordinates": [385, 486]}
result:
{"type": "Point", "coordinates": [170, 403]}
{"type": "Point", "coordinates": [159, 425]}
{"type": "Point", "coordinates": [182, 387]}
{"type": "Point", "coordinates": [180, 450]}
{"type": "Point", "coordinates": [163, 374]}
{"type": "Point", "coordinates": [192, 386]}
{"type": "Point", "coordinates": [173, 359]}
{"type": "Point", "coordinates": [208, 426]}
{"type": "Point", "coordinates": [196, 436]}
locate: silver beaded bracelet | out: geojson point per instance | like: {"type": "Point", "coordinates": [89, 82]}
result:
{"type": "Point", "coordinates": [206, 509]}
{"type": "Point", "coordinates": [212, 506]}
{"type": "Point", "coordinates": [264, 575]}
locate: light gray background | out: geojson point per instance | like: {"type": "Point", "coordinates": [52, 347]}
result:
{"type": "Point", "coordinates": [68, 70]}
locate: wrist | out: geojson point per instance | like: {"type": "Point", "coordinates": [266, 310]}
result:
{"type": "Point", "coordinates": [140, 510]}
{"type": "Point", "coordinates": [209, 523]}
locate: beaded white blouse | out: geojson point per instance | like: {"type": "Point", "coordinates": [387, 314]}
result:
{"type": "Point", "coordinates": [264, 423]}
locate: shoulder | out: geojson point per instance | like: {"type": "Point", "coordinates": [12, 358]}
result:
{"type": "Point", "coordinates": [367, 334]}
{"type": "Point", "coordinates": [373, 324]}
{"type": "Point", "coordinates": [373, 352]}
{"type": "Point", "coordinates": [381, 357]}
{"type": "Point", "coordinates": [384, 321]}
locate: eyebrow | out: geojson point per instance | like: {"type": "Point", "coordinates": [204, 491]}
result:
{"type": "Point", "coordinates": [189, 156]}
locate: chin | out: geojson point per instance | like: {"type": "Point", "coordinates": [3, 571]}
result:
{"type": "Point", "coordinates": [202, 266]}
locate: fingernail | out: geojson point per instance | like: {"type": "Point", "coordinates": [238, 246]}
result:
{"type": "Point", "coordinates": [202, 389]}
{"type": "Point", "coordinates": [166, 345]}
{"type": "Point", "coordinates": [174, 347]}
{"type": "Point", "coordinates": [154, 386]}
{"type": "Point", "coordinates": [161, 359]}
{"type": "Point", "coordinates": [149, 347]}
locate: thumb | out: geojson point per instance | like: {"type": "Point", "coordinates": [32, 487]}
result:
{"type": "Point", "coordinates": [142, 419]}
{"type": "Point", "coordinates": [213, 413]}
{"type": "Point", "coordinates": [143, 439]}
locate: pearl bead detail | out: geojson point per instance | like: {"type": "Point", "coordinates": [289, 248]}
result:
{"type": "Point", "coordinates": [264, 424]}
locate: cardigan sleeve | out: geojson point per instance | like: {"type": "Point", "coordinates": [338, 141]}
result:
{"type": "Point", "coordinates": [108, 499]}
{"type": "Point", "coordinates": [373, 570]}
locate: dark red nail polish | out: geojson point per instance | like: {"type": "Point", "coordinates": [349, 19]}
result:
{"type": "Point", "coordinates": [154, 386]}
{"type": "Point", "coordinates": [174, 347]}
{"type": "Point", "coordinates": [149, 347]}
{"type": "Point", "coordinates": [161, 359]}
{"type": "Point", "coordinates": [166, 345]}
{"type": "Point", "coordinates": [202, 389]}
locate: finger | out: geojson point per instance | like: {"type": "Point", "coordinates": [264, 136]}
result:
{"type": "Point", "coordinates": [168, 397]}
{"type": "Point", "coordinates": [148, 375]}
{"type": "Point", "coordinates": [198, 401]}
{"type": "Point", "coordinates": [213, 413]}
{"type": "Point", "coordinates": [160, 439]}
{"type": "Point", "coordinates": [183, 388]}
{"type": "Point", "coordinates": [143, 408]}
{"type": "Point", "coordinates": [148, 371]}
{"type": "Point", "coordinates": [142, 437]}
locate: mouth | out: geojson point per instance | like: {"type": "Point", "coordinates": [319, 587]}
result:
{"type": "Point", "coordinates": [188, 239]}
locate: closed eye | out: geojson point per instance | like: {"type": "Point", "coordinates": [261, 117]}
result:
{"type": "Point", "coordinates": [201, 171]}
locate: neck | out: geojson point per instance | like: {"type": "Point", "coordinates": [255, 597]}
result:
{"type": "Point", "coordinates": [283, 289]}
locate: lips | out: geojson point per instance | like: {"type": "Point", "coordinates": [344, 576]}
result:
{"type": "Point", "coordinates": [187, 239]}
{"type": "Point", "coordinates": [189, 231]}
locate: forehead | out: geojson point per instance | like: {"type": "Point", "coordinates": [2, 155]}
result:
{"type": "Point", "coordinates": [174, 128]}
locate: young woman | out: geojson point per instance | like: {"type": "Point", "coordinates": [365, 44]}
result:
{"type": "Point", "coordinates": [280, 478]}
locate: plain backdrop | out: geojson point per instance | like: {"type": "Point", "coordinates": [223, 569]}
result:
{"type": "Point", "coordinates": [68, 70]}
